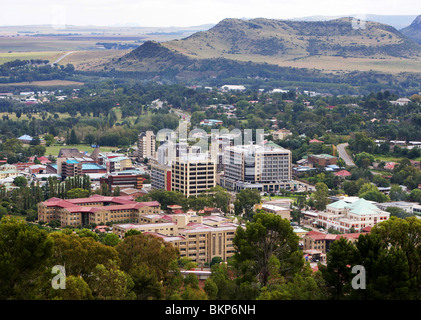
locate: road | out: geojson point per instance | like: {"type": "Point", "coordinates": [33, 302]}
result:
{"type": "Point", "coordinates": [62, 57]}
{"type": "Point", "coordinates": [344, 155]}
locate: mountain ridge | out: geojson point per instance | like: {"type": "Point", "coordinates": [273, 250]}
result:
{"type": "Point", "coordinates": [330, 52]}
{"type": "Point", "coordinates": [413, 31]}
{"type": "Point", "coordinates": [269, 37]}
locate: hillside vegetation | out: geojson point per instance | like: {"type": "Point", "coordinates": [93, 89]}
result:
{"type": "Point", "coordinates": [272, 39]}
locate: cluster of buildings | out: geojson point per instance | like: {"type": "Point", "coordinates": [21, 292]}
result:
{"type": "Point", "coordinates": [198, 237]}
{"type": "Point", "coordinates": [191, 169]}
{"type": "Point", "coordinates": [178, 165]}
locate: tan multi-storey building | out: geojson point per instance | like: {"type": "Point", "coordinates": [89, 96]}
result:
{"type": "Point", "coordinates": [199, 238]}
{"type": "Point", "coordinates": [95, 209]}
{"type": "Point", "coordinates": [193, 174]}
{"type": "Point", "coordinates": [146, 145]}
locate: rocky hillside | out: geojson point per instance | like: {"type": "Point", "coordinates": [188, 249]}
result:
{"type": "Point", "coordinates": [265, 39]}
{"type": "Point", "coordinates": [413, 31]}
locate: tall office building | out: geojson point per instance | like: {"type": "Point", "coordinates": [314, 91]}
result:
{"type": "Point", "coordinates": [192, 174]}
{"type": "Point", "coordinates": [265, 168]}
{"type": "Point", "coordinates": [146, 145]}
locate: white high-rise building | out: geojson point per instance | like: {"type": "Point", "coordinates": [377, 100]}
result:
{"type": "Point", "coordinates": [266, 168]}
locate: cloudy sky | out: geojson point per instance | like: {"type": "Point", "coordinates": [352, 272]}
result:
{"type": "Point", "coordinates": [165, 13]}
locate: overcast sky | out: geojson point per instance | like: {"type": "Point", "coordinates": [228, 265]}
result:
{"type": "Point", "coordinates": [183, 13]}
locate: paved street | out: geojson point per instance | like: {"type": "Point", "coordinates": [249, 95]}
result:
{"type": "Point", "coordinates": [344, 155]}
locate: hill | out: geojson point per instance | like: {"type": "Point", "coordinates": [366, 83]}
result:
{"type": "Point", "coordinates": [323, 54]}
{"type": "Point", "coordinates": [396, 21]}
{"type": "Point", "coordinates": [268, 40]}
{"type": "Point", "coordinates": [413, 31]}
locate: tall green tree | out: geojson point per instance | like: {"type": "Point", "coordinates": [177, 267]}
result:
{"type": "Point", "coordinates": [266, 236]}
{"type": "Point", "coordinates": [338, 273]}
{"type": "Point", "coordinates": [24, 252]}
{"type": "Point", "coordinates": [321, 196]}
{"type": "Point", "coordinates": [245, 201]}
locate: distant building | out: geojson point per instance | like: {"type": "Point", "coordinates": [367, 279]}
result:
{"type": "Point", "coordinates": [146, 145]}
{"type": "Point", "coordinates": [281, 134]}
{"type": "Point", "coordinates": [233, 88]}
{"type": "Point", "coordinates": [321, 160]}
{"type": "Point", "coordinates": [317, 244]}
{"type": "Point", "coordinates": [401, 102]}
{"type": "Point", "coordinates": [161, 177]}
{"type": "Point", "coordinates": [342, 174]}
{"type": "Point", "coordinates": [123, 179]}
{"type": "Point", "coordinates": [117, 164]}
{"type": "Point", "coordinates": [211, 122]}
{"type": "Point", "coordinates": [25, 139]}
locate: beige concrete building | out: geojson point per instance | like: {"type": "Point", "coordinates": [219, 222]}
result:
{"type": "Point", "coordinates": [7, 171]}
{"type": "Point", "coordinates": [95, 209]}
{"type": "Point", "coordinates": [146, 145]}
{"type": "Point", "coordinates": [199, 238]}
{"type": "Point", "coordinates": [193, 174]}
{"type": "Point", "coordinates": [281, 134]}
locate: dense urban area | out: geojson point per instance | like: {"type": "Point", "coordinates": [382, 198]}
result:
{"type": "Point", "coordinates": [153, 191]}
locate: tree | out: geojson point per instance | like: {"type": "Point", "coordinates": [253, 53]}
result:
{"type": "Point", "coordinates": [146, 285]}
{"type": "Point", "coordinates": [404, 234]}
{"type": "Point", "coordinates": [363, 159]}
{"type": "Point", "coordinates": [415, 195]}
{"type": "Point", "coordinates": [108, 282]}
{"type": "Point", "coordinates": [132, 232]}
{"type": "Point", "coordinates": [20, 181]}
{"type": "Point", "coordinates": [321, 196]}
{"type": "Point", "coordinates": [337, 272]}
{"type": "Point", "coordinates": [76, 289]}
{"type": "Point", "coordinates": [245, 201]}
{"type": "Point", "coordinates": [73, 138]}
{"type": "Point", "coordinates": [111, 239]}
{"type": "Point", "coordinates": [24, 251]}
{"type": "Point", "coordinates": [266, 236]}
{"type": "Point", "coordinates": [370, 192]}
{"type": "Point", "coordinates": [399, 212]}
{"type": "Point", "coordinates": [77, 193]}
{"type": "Point", "coordinates": [149, 250]}
{"type": "Point", "coordinates": [362, 143]}
{"type": "Point", "coordinates": [397, 194]}
{"type": "Point", "coordinates": [79, 254]}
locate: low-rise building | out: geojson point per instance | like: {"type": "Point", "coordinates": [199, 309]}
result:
{"type": "Point", "coordinates": [281, 134]}
{"type": "Point", "coordinates": [345, 216]}
{"type": "Point", "coordinates": [321, 160]}
{"type": "Point", "coordinates": [95, 209]}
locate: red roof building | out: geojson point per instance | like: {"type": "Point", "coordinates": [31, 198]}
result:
{"type": "Point", "coordinates": [343, 173]}
{"type": "Point", "coordinates": [95, 209]}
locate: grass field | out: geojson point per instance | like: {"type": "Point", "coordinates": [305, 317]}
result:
{"type": "Point", "coordinates": [46, 83]}
{"type": "Point", "coordinates": [391, 159]}
{"type": "Point", "coordinates": [92, 59]}
{"type": "Point", "coordinates": [51, 56]}
{"type": "Point", "coordinates": [55, 149]}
